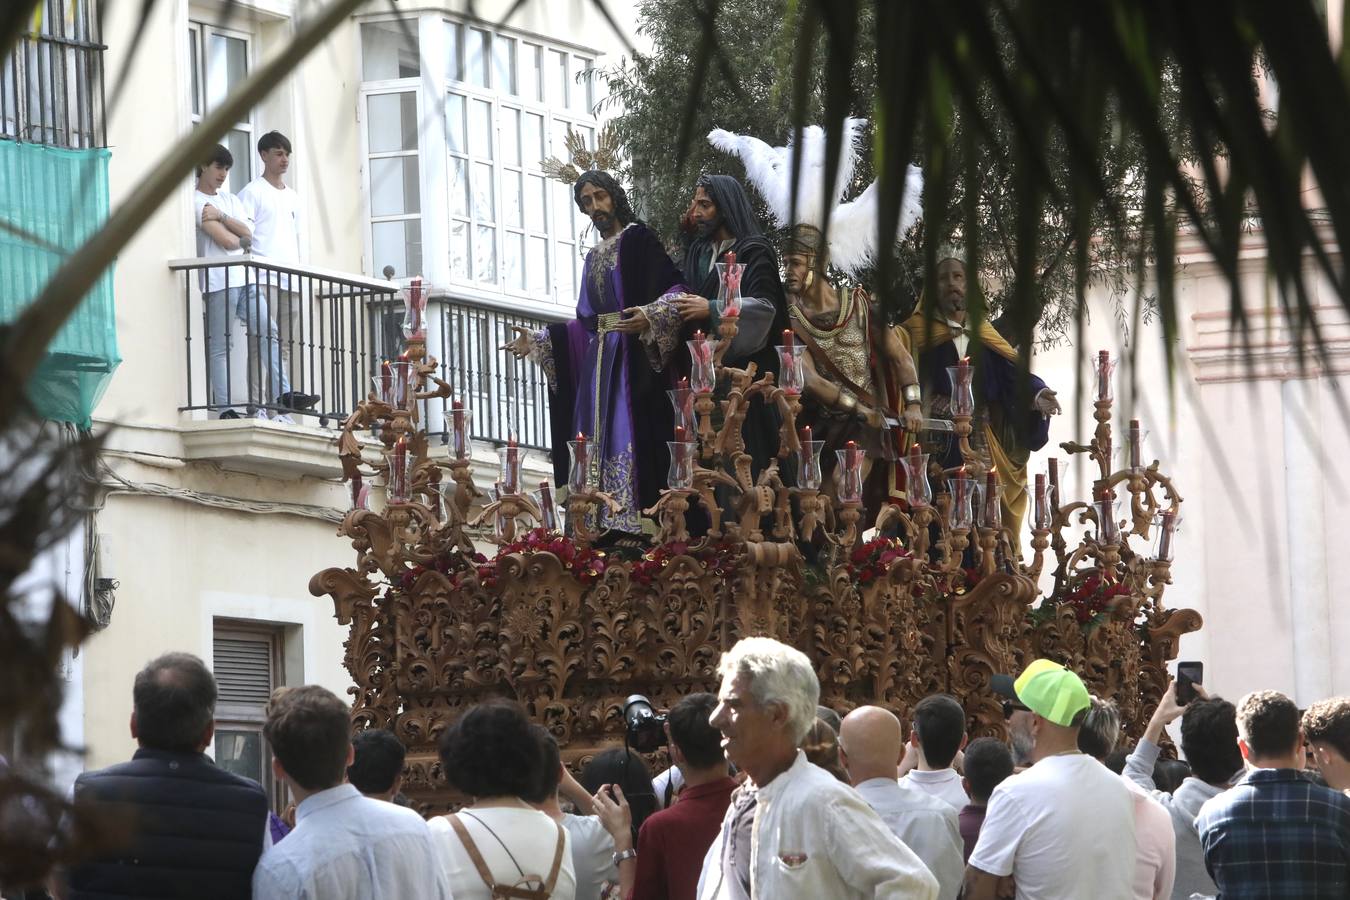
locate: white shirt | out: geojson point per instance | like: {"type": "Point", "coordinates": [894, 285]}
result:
{"type": "Point", "coordinates": [815, 837]}
{"type": "Point", "coordinates": [592, 855]}
{"type": "Point", "coordinates": [530, 837]}
{"type": "Point", "coordinates": [1064, 829]}
{"type": "Point", "coordinates": [1155, 846]}
{"type": "Point", "coordinates": [945, 784]}
{"type": "Point", "coordinates": [671, 777]}
{"type": "Point", "coordinates": [207, 248]}
{"type": "Point", "coordinates": [348, 846]}
{"type": "Point", "coordinates": [276, 224]}
{"type": "Point", "coordinates": [927, 825]}
{"type": "Point", "coordinates": [960, 337]}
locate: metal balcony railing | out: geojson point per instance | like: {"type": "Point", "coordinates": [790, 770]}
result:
{"type": "Point", "coordinates": [507, 397]}
{"type": "Point", "coordinates": [259, 333]}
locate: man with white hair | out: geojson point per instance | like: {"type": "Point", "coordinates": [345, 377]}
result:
{"type": "Point", "coordinates": [793, 830]}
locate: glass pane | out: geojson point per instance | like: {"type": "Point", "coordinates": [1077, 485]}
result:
{"type": "Point", "coordinates": [513, 247]}
{"type": "Point", "coordinates": [536, 265]}
{"type": "Point", "coordinates": [394, 186]}
{"type": "Point", "coordinates": [535, 185]}
{"type": "Point", "coordinates": [454, 124]}
{"type": "Point", "coordinates": [476, 67]}
{"type": "Point", "coordinates": [582, 74]}
{"type": "Point", "coordinates": [226, 66]}
{"type": "Point", "coordinates": [398, 244]}
{"type": "Point", "coordinates": [484, 207]}
{"type": "Point", "coordinates": [194, 48]}
{"type": "Point", "coordinates": [459, 250]}
{"type": "Point", "coordinates": [534, 72]}
{"type": "Point", "coordinates": [510, 122]}
{"type": "Point", "coordinates": [390, 50]}
{"type": "Point", "coordinates": [504, 64]}
{"type": "Point", "coordinates": [532, 140]}
{"type": "Point", "coordinates": [512, 214]}
{"type": "Point", "coordinates": [564, 259]}
{"type": "Point", "coordinates": [392, 122]}
{"type": "Point", "coordinates": [480, 128]}
{"type": "Point", "coordinates": [240, 145]}
{"type": "Point", "coordinates": [555, 76]}
{"type": "Point", "coordinates": [459, 187]}
{"type": "Point", "coordinates": [485, 254]}
{"type": "Point", "coordinates": [454, 49]}
{"type": "Point", "coordinates": [240, 752]}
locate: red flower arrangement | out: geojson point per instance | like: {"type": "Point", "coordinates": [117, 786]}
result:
{"type": "Point", "coordinates": [585, 564]}
{"type": "Point", "coordinates": [451, 565]}
{"type": "Point", "coordinates": [717, 559]}
{"type": "Point", "coordinates": [1092, 599]}
{"type": "Point", "coordinates": [874, 559]}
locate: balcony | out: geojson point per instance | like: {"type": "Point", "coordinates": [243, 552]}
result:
{"type": "Point", "coordinates": [273, 331]}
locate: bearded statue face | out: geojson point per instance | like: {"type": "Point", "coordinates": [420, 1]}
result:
{"type": "Point", "coordinates": [704, 214]}
{"type": "Point", "coordinates": [951, 289]}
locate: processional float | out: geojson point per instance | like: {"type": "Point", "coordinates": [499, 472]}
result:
{"type": "Point", "coordinates": [570, 631]}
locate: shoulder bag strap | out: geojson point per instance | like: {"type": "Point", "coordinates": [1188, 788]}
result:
{"type": "Point", "coordinates": [557, 861]}
{"type": "Point", "coordinates": [472, 849]}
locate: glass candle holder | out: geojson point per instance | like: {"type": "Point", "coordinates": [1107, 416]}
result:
{"type": "Point", "coordinates": [963, 388]}
{"type": "Point", "coordinates": [414, 310]}
{"type": "Point", "coordinates": [918, 491]}
{"type": "Point", "coordinates": [1165, 526]}
{"type": "Point", "coordinates": [548, 507]}
{"type": "Point", "coordinates": [400, 463]}
{"type": "Point", "coordinates": [791, 373]}
{"type": "Point", "coordinates": [393, 383]}
{"type": "Point", "coordinates": [582, 451]}
{"type": "Point", "coordinates": [1109, 529]}
{"type": "Point", "coordinates": [496, 492]}
{"type": "Point", "coordinates": [360, 492]}
{"type": "Point", "coordinates": [1043, 516]}
{"type": "Point", "coordinates": [682, 402]}
{"type": "Point", "coordinates": [508, 459]}
{"type": "Point", "coordinates": [808, 461]}
{"type": "Point", "coordinates": [849, 471]}
{"type": "Point", "coordinates": [681, 474]}
{"type": "Point", "coordinates": [1104, 367]}
{"type": "Point", "coordinates": [988, 506]}
{"type": "Point", "coordinates": [461, 421]}
{"type": "Point", "coordinates": [702, 370]}
{"type": "Point", "coordinates": [729, 275]}
{"type": "Point", "coordinates": [961, 512]}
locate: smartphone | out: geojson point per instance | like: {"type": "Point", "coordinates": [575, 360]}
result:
{"type": "Point", "coordinates": [1189, 674]}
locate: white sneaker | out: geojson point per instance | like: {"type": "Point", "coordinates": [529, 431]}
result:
{"type": "Point", "coordinates": [259, 413]}
{"type": "Point", "coordinates": [283, 419]}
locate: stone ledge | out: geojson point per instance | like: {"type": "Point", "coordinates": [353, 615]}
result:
{"type": "Point", "coordinates": [262, 447]}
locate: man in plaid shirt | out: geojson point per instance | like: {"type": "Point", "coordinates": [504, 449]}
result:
{"type": "Point", "coordinates": [1275, 834]}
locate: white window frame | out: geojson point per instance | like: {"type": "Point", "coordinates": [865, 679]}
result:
{"type": "Point", "coordinates": [198, 32]}
{"type": "Point", "coordinates": [388, 88]}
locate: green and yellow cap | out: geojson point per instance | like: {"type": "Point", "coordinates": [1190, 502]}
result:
{"type": "Point", "coordinates": [1052, 692]}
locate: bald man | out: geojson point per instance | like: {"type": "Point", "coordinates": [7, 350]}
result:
{"type": "Point", "coordinates": [870, 746]}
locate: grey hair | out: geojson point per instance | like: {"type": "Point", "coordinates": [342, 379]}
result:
{"type": "Point", "coordinates": [777, 674]}
{"type": "Point", "coordinates": [1100, 732]}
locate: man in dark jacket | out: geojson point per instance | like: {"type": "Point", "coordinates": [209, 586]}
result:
{"type": "Point", "coordinates": [191, 829]}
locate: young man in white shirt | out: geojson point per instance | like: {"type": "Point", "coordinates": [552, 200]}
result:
{"type": "Point", "coordinates": [938, 734]}
{"type": "Point", "coordinates": [809, 835]}
{"type": "Point", "coordinates": [274, 209]}
{"type": "Point", "coordinates": [345, 845]}
{"type": "Point", "coordinates": [870, 746]}
{"type": "Point", "coordinates": [1064, 828]}
{"type": "Point", "coordinates": [223, 229]}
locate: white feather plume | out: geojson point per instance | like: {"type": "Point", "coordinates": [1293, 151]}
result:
{"type": "Point", "coordinates": [853, 226]}
{"type": "Point", "coordinates": [770, 170]}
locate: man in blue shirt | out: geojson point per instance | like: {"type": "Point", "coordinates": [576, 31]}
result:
{"type": "Point", "coordinates": [1275, 834]}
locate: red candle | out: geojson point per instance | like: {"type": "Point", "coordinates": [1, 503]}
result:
{"type": "Point", "coordinates": [788, 338]}
{"type": "Point", "coordinates": [457, 424]}
{"type": "Point", "coordinates": [1103, 375]}
{"type": "Point", "coordinates": [965, 362]}
{"type": "Point", "coordinates": [1054, 479]}
{"type": "Point", "coordinates": [1165, 541]}
{"type": "Point", "coordinates": [959, 488]}
{"type": "Point", "coordinates": [512, 465]}
{"type": "Point", "coordinates": [679, 434]}
{"type": "Point", "coordinates": [403, 357]}
{"type": "Point", "coordinates": [851, 454]}
{"type": "Point", "coordinates": [1042, 519]}
{"type": "Point", "coordinates": [1136, 448]}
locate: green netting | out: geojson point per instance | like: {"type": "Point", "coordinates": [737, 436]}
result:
{"type": "Point", "coordinates": [51, 200]}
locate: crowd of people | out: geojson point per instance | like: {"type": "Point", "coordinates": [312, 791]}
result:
{"type": "Point", "coordinates": [768, 795]}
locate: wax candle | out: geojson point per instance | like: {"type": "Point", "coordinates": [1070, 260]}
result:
{"type": "Point", "coordinates": [548, 512]}
{"type": "Point", "coordinates": [460, 435]}
{"type": "Point", "coordinates": [789, 339]}
{"type": "Point", "coordinates": [1103, 375]}
{"type": "Point", "coordinates": [1136, 450]}
{"type": "Point", "coordinates": [1169, 524]}
{"type": "Point", "coordinates": [1042, 510]}
{"type": "Point", "coordinates": [512, 473]}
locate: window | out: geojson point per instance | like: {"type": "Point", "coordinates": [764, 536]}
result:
{"type": "Point", "coordinates": [508, 106]}
{"type": "Point", "coordinates": [220, 61]}
{"type": "Point", "coordinates": [247, 662]}
{"type": "Point", "coordinates": [51, 85]}
{"type": "Point", "coordinates": [394, 182]}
